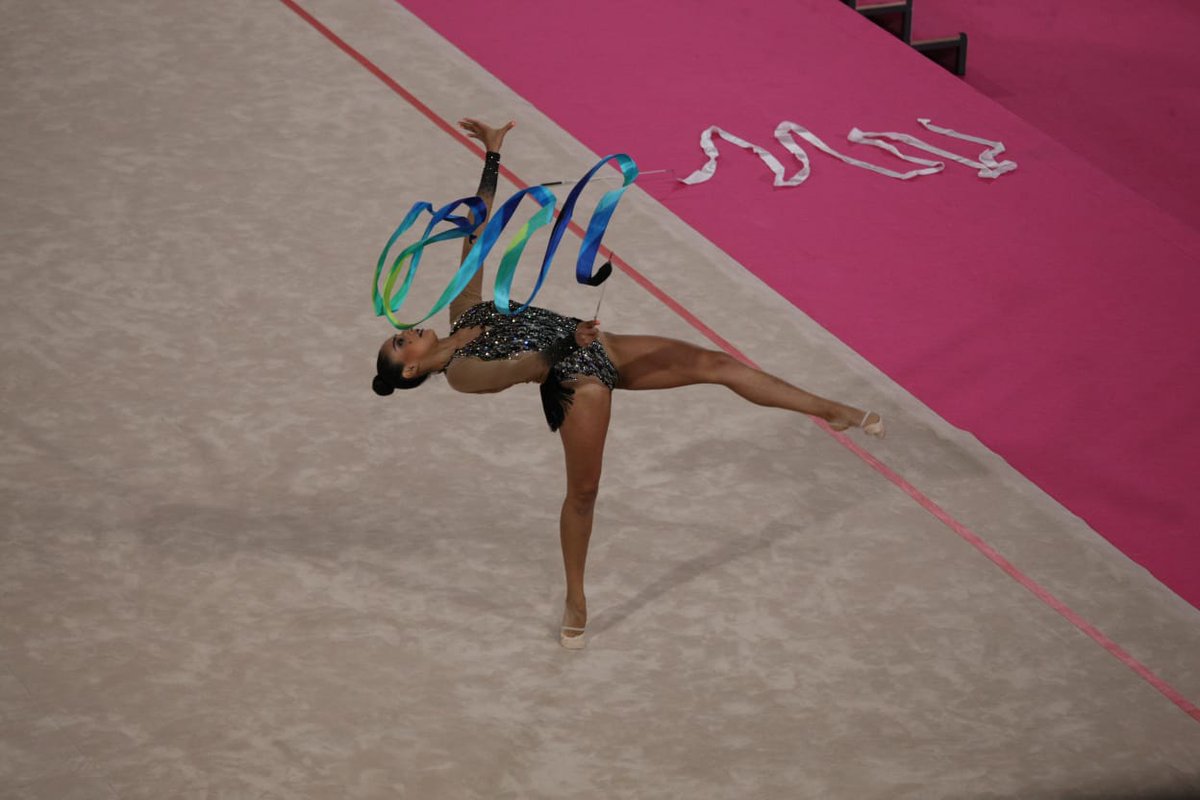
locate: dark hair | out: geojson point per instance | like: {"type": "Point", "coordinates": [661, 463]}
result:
{"type": "Point", "coordinates": [390, 377]}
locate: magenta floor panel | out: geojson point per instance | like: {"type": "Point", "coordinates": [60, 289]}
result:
{"type": "Point", "coordinates": [1117, 82]}
{"type": "Point", "coordinates": [1050, 312]}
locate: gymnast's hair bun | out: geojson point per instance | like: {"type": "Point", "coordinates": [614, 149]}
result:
{"type": "Point", "coordinates": [382, 386]}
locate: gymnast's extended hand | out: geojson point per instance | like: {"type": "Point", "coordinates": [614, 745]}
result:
{"type": "Point", "coordinates": [491, 137]}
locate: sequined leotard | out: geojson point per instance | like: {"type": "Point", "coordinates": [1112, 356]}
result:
{"type": "Point", "coordinates": [534, 329]}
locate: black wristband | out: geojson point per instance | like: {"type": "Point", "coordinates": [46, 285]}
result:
{"type": "Point", "coordinates": [491, 174]}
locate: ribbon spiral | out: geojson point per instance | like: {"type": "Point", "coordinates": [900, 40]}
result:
{"type": "Point", "coordinates": [388, 301]}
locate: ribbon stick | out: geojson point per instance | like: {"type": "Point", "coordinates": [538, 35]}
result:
{"type": "Point", "coordinates": [388, 302]}
{"type": "Point", "coordinates": [641, 174]}
{"type": "Point", "coordinates": [596, 315]}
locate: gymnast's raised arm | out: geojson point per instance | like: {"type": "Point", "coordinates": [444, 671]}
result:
{"type": "Point", "coordinates": [492, 139]}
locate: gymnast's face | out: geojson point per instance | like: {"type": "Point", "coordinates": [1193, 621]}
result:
{"type": "Point", "coordinates": [408, 348]}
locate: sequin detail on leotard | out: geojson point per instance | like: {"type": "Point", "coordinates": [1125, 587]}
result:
{"type": "Point", "coordinates": [508, 336]}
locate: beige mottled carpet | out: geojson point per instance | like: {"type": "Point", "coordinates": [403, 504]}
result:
{"type": "Point", "coordinates": [229, 570]}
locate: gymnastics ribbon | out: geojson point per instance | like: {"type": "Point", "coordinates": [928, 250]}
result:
{"type": "Point", "coordinates": [987, 165]}
{"type": "Point", "coordinates": [596, 228]}
{"type": "Point", "coordinates": [388, 304]}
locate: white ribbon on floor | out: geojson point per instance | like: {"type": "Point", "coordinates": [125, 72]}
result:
{"type": "Point", "coordinates": [782, 133]}
{"type": "Point", "coordinates": [987, 164]}
{"type": "Point", "coordinates": [710, 168]}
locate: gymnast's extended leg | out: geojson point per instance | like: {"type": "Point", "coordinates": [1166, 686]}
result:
{"type": "Point", "coordinates": [583, 433]}
{"type": "Point", "coordinates": [656, 362]}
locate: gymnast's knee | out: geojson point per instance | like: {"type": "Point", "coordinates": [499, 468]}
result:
{"type": "Point", "coordinates": [581, 498]}
{"type": "Point", "coordinates": [717, 366]}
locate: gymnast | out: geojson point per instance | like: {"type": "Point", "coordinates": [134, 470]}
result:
{"type": "Point", "coordinates": [577, 365]}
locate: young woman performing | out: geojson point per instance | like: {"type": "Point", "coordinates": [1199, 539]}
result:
{"type": "Point", "coordinates": [578, 366]}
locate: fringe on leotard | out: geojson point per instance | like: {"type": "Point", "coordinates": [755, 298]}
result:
{"type": "Point", "coordinates": [555, 399]}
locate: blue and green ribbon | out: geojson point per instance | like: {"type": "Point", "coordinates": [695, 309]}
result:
{"type": "Point", "coordinates": [388, 301]}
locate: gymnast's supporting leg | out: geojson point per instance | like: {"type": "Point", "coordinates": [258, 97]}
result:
{"type": "Point", "coordinates": [655, 362]}
{"type": "Point", "coordinates": [583, 433]}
